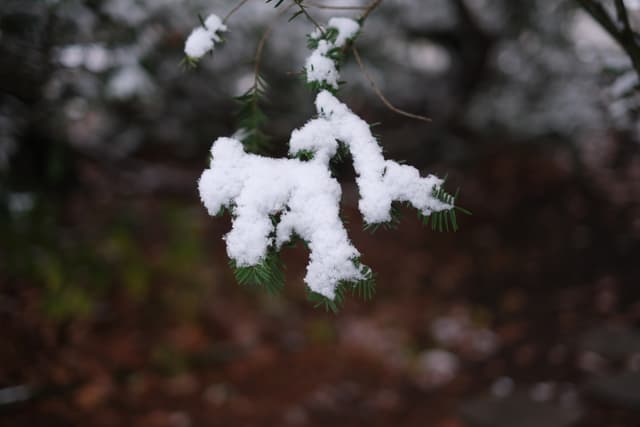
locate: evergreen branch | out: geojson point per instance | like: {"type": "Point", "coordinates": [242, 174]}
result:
{"type": "Point", "coordinates": [328, 304]}
{"type": "Point", "coordinates": [267, 274]}
{"type": "Point", "coordinates": [364, 288]}
{"type": "Point", "coordinates": [304, 155]}
{"type": "Point", "coordinates": [392, 224]}
{"type": "Point", "coordinates": [317, 87]}
{"type": "Point", "coordinates": [343, 155]}
{"type": "Point", "coordinates": [444, 220]}
{"type": "Point", "coordinates": [223, 210]}
{"type": "Point", "coordinates": [188, 63]}
{"type": "Point", "coordinates": [251, 118]}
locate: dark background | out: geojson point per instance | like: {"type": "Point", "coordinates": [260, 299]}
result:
{"type": "Point", "coordinates": [117, 304]}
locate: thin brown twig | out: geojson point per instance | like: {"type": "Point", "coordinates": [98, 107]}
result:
{"type": "Point", "coordinates": [372, 6]}
{"type": "Point", "coordinates": [233, 10]}
{"type": "Point", "coordinates": [262, 42]}
{"type": "Point", "coordinates": [311, 19]}
{"type": "Point", "coordinates": [379, 93]}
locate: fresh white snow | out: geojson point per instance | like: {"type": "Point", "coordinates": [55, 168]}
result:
{"type": "Point", "coordinates": [319, 67]}
{"type": "Point", "coordinates": [202, 39]}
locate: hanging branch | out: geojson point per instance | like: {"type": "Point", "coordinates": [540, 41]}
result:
{"type": "Point", "coordinates": [275, 201]}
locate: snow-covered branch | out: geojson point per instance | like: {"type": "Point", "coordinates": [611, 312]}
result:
{"type": "Point", "coordinates": [274, 201]}
{"type": "Point", "coordinates": [307, 198]}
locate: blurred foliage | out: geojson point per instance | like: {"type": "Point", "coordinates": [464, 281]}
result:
{"type": "Point", "coordinates": [75, 271]}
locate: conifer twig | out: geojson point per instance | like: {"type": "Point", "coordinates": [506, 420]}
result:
{"type": "Point", "coordinates": [379, 93]}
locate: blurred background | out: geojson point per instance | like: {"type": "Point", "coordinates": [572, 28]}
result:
{"type": "Point", "coordinates": [117, 304]}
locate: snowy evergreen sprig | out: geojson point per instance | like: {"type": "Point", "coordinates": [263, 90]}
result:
{"type": "Point", "coordinates": [444, 220]}
{"type": "Point", "coordinates": [267, 274]}
{"type": "Point", "coordinates": [322, 66]}
{"type": "Point", "coordinates": [306, 197]}
{"type": "Point", "coordinates": [203, 38]}
{"type": "Point", "coordinates": [364, 288]}
{"type": "Point", "coordinates": [276, 202]}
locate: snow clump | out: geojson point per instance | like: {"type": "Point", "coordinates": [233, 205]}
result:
{"type": "Point", "coordinates": [321, 66]}
{"type": "Point", "coordinates": [202, 39]}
